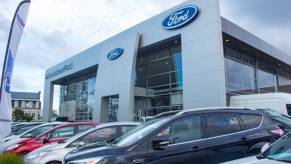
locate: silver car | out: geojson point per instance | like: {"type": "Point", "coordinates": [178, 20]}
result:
{"type": "Point", "coordinates": [55, 153]}
{"type": "Point", "coordinates": [10, 140]}
{"type": "Point", "coordinates": [278, 152]}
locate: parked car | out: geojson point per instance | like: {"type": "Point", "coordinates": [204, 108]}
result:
{"type": "Point", "coordinates": [161, 115]}
{"type": "Point", "coordinates": [56, 134]}
{"type": "Point", "coordinates": [283, 121]}
{"type": "Point", "coordinates": [91, 138]}
{"type": "Point", "coordinates": [10, 140]}
{"type": "Point", "coordinates": [25, 128]}
{"type": "Point", "coordinates": [210, 135]}
{"type": "Point", "coordinates": [278, 152]}
{"type": "Point", "coordinates": [18, 125]}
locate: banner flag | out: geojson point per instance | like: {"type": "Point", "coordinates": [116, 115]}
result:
{"type": "Point", "coordinates": [15, 33]}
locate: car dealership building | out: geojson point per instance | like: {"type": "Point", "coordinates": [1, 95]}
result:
{"type": "Point", "coordinates": [186, 57]}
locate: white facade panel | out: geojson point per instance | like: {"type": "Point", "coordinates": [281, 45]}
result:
{"type": "Point", "coordinates": [202, 61]}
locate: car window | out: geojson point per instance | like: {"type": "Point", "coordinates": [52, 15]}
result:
{"type": "Point", "coordinates": [64, 132]}
{"type": "Point", "coordinates": [288, 106]}
{"type": "Point", "coordinates": [99, 135]}
{"type": "Point", "coordinates": [183, 130]}
{"type": "Point", "coordinates": [222, 123]}
{"type": "Point", "coordinates": [83, 128]}
{"type": "Point", "coordinates": [250, 121]}
{"type": "Point", "coordinates": [37, 131]}
{"type": "Point", "coordinates": [23, 129]}
{"type": "Point", "coordinates": [140, 132]}
{"type": "Point", "coordinates": [275, 116]}
{"type": "Point", "coordinates": [16, 127]}
{"type": "Point", "coordinates": [126, 129]}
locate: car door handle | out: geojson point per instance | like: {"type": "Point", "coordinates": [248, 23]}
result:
{"type": "Point", "coordinates": [195, 147]}
{"type": "Point", "coordinates": [143, 159]}
{"type": "Point", "coordinates": [244, 138]}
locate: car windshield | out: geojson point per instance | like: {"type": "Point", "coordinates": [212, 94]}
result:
{"type": "Point", "coordinates": [139, 132]}
{"type": "Point", "coordinates": [280, 150]}
{"type": "Point", "coordinates": [277, 116]}
{"type": "Point", "coordinates": [24, 129]}
{"type": "Point", "coordinates": [36, 131]}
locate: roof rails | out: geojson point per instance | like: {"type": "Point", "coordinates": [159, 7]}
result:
{"type": "Point", "coordinates": [213, 108]}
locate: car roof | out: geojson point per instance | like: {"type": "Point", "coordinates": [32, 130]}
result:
{"type": "Point", "coordinates": [168, 113]}
{"type": "Point", "coordinates": [41, 125]}
{"type": "Point", "coordinates": [26, 125]}
{"type": "Point", "coordinates": [118, 123]}
{"type": "Point", "coordinates": [64, 125]}
{"type": "Point", "coordinates": [218, 109]}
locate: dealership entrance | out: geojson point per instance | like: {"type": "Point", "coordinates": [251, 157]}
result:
{"type": "Point", "coordinates": [158, 81]}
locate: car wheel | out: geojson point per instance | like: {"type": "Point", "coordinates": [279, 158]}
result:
{"type": "Point", "coordinates": [23, 154]}
{"type": "Point", "coordinates": [54, 162]}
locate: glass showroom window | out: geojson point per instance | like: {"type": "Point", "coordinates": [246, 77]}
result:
{"type": "Point", "coordinates": [159, 83]}
{"type": "Point", "coordinates": [77, 98]}
{"type": "Point", "coordinates": [267, 80]}
{"type": "Point", "coordinates": [247, 75]}
{"type": "Point", "coordinates": [240, 74]}
{"type": "Point", "coordinates": [113, 107]}
{"type": "Point", "coordinates": [284, 81]}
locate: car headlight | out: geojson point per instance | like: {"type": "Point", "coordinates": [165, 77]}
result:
{"type": "Point", "coordinates": [12, 147]}
{"type": "Point", "coordinates": [35, 155]}
{"type": "Point", "coordinates": [87, 161]}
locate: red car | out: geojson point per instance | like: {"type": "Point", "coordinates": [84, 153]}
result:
{"type": "Point", "coordinates": [56, 134]}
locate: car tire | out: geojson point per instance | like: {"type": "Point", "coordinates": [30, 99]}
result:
{"type": "Point", "coordinates": [256, 149]}
{"type": "Point", "coordinates": [23, 154]}
{"type": "Point", "coordinates": [54, 162]}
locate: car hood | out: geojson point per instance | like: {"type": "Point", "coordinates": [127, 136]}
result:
{"type": "Point", "coordinates": [9, 137]}
{"type": "Point", "coordinates": [254, 160]}
{"type": "Point", "coordinates": [49, 147]}
{"type": "Point", "coordinates": [10, 142]}
{"type": "Point", "coordinates": [93, 152]}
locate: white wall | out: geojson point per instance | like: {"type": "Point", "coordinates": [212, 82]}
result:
{"type": "Point", "coordinates": [115, 77]}
{"type": "Point", "coordinates": [202, 61]}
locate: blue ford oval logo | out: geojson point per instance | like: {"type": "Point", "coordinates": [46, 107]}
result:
{"type": "Point", "coordinates": [115, 53]}
{"type": "Point", "coordinates": [180, 17]}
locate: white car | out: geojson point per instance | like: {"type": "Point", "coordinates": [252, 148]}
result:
{"type": "Point", "coordinates": [278, 153]}
{"type": "Point", "coordinates": [95, 137]}
{"type": "Point", "coordinates": [10, 140]}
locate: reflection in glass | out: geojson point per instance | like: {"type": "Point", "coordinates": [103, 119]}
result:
{"type": "Point", "coordinates": [266, 82]}
{"type": "Point", "coordinates": [158, 82]}
{"type": "Point", "coordinates": [248, 75]}
{"type": "Point", "coordinates": [77, 99]}
{"type": "Point", "coordinates": [113, 108]}
{"type": "Point", "coordinates": [284, 81]}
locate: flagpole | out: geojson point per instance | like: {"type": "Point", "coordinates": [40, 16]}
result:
{"type": "Point", "coordinates": [8, 44]}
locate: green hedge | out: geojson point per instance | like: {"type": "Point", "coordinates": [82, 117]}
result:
{"type": "Point", "coordinates": [10, 158]}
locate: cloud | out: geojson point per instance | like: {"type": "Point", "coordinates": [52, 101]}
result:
{"type": "Point", "coordinates": [57, 30]}
{"type": "Point", "coordinates": [269, 13]}
{"type": "Point", "coordinates": [269, 20]}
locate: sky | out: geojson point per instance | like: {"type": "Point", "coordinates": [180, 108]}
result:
{"type": "Point", "coordinates": [58, 29]}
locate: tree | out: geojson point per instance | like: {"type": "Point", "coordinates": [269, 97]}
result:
{"type": "Point", "coordinates": [19, 115]}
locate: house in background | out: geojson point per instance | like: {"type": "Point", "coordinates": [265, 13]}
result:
{"type": "Point", "coordinates": [29, 102]}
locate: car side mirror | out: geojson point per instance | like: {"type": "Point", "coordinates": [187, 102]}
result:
{"type": "Point", "coordinates": [45, 140]}
{"type": "Point", "coordinates": [281, 126]}
{"type": "Point", "coordinates": [265, 147]}
{"type": "Point", "coordinates": [29, 135]}
{"type": "Point", "coordinates": [159, 143]}
{"type": "Point", "coordinates": [79, 144]}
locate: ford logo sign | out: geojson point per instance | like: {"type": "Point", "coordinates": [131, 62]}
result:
{"type": "Point", "coordinates": [115, 53]}
{"type": "Point", "coordinates": [180, 17]}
